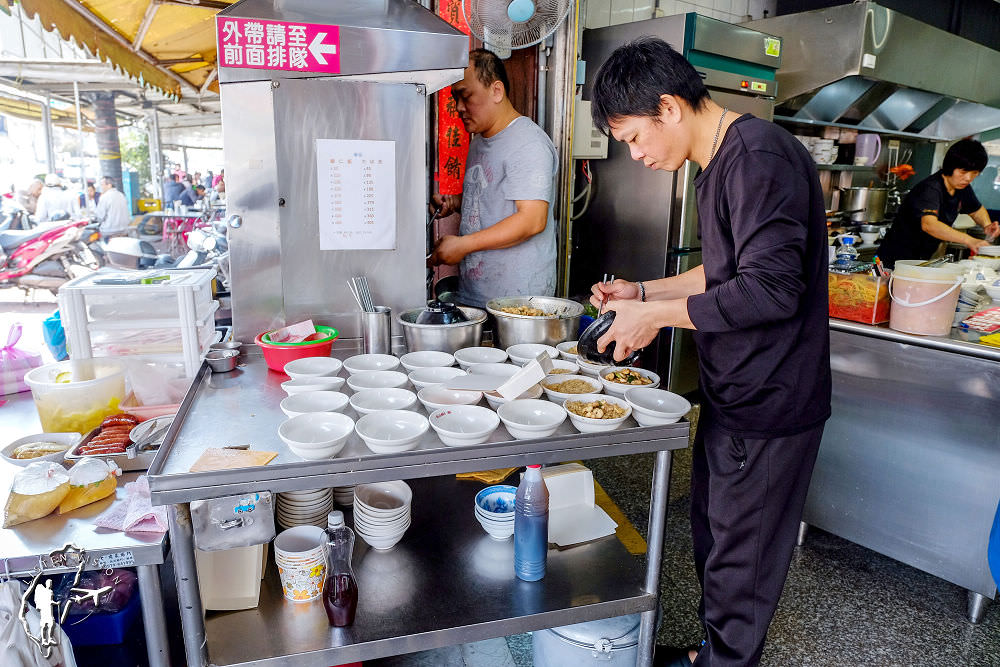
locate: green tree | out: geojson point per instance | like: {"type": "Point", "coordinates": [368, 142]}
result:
{"type": "Point", "coordinates": [135, 153]}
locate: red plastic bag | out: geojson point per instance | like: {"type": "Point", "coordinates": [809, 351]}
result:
{"type": "Point", "coordinates": [15, 363]}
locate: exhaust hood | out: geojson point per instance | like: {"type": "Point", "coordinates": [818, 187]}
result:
{"type": "Point", "coordinates": [395, 41]}
{"type": "Point", "coordinates": [868, 67]}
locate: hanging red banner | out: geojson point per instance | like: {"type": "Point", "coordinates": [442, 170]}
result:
{"type": "Point", "coordinates": [452, 139]}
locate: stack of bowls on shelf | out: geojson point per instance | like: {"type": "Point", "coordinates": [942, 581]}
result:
{"type": "Point", "coordinates": [344, 495]}
{"type": "Point", "coordinates": [495, 510]}
{"type": "Point", "coordinates": [382, 513]}
{"type": "Point", "coordinates": [301, 559]}
{"type": "Point", "coordinates": [969, 301]}
{"type": "Point", "coordinates": [304, 508]}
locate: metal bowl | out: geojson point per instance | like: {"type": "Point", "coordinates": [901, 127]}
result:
{"type": "Point", "coordinates": [228, 345]}
{"type": "Point", "coordinates": [442, 337]}
{"type": "Point", "coordinates": [222, 361]}
{"type": "Point", "coordinates": [561, 325]}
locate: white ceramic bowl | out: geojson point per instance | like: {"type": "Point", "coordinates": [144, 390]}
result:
{"type": "Point", "coordinates": [313, 367]}
{"type": "Point", "coordinates": [395, 430]}
{"type": "Point", "coordinates": [320, 383]}
{"type": "Point", "coordinates": [426, 359]}
{"type": "Point", "coordinates": [496, 400]}
{"type": "Point", "coordinates": [382, 523]}
{"type": "Point", "coordinates": [368, 401]}
{"type": "Point", "coordinates": [436, 397]}
{"type": "Point", "coordinates": [382, 543]}
{"type": "Point", "coordinates": [468, 356]}
{"type": "Point", "coordinates": [531, 418]}
{"type": "Point", "coordinates": [560, 396]}
{"type": "Point", "coordinates": [993, 291]}
{"type": "Point", "coordinates": [587, 368]}
{"type": "Point", "coordinates": [522, 353]}
{"type": "Point", "coordinates": [316, 435]}
{"type": "Point", "coordinates": [376, 380]}
{"type": "Point", "coordinates": [426, 377]}
{"type": "Point", "coordinates": [370, 362]}
{"type": "Point", "coordinates": [589, 425]}
{"type": "Point", "coordinates": [313, 401]}
{"type": "Point", "coordinates": [564, 350]}
{"type": "Point", "coordinates": [496, 501]}
{"type": "Point", "coordinates": [383, 498]}
{"type": "Point", "coordinates": [69, 440]}
{"type": "Point", "coordinates": [571, 367]}
{"type": "Point", "coordinates": [619, 389]}
{"type": "Point", "coordinates": [656, 406]}
{"type": "Point", "coordinates": [460, 425]}
{"type": "Point", "coordinates": [499, 370]}
{"type": "Point", "coordinates": [498, 532]}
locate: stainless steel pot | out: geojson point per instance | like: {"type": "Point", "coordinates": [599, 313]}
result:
{"type": "Point", "coordinates": [442, 337]}
{"type": "Point", "coordinates": [561, 325]}
{"type": "Point", "coordinates": [867, 204]}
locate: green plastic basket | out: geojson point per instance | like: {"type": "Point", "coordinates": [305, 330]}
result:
{"type": "Point", "coordinates": [330, 332]}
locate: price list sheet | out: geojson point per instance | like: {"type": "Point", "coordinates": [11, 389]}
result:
{"type": "Point", "coordinates": [356, 182]}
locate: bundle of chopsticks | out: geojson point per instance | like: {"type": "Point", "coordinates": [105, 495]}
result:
{"type": "Point", "coordinates": [362, 293]}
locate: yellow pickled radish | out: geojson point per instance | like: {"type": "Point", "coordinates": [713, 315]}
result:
{"type": "Point", "coordinates": [64, 378]}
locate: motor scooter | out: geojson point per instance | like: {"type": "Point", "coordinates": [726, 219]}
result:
{"type": "Point", "coordinates": [44, 257]}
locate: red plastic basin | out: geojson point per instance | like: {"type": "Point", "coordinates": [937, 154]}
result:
{"type": "Point", "coordinates": [276, 356]}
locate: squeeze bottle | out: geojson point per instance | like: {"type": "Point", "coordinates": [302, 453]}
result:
{"type": "Point", "coordinates": [531, 526]}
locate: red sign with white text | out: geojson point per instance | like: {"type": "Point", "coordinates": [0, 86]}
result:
{"type": "Point", "coordinates": [260, 44]}
{"type": "Point", "coordinates": [453, 140]}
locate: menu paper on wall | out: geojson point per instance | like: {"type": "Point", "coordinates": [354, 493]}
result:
{"type": "Point", "coordinates": [356, 183]}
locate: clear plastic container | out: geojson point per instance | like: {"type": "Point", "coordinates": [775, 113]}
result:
{"type": "Point", "coordinates": [531, 526]}
{"type": "Point", "coordinates": [76, 396]}
{"type": "Point", "coordinates": [340, 592]}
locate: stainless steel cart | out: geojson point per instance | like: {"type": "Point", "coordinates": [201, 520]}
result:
{"type": "Point", "coordinates": [446, 583]}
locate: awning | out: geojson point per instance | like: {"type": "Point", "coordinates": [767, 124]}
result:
{"type": "Point", "coordinates": [168, 45]}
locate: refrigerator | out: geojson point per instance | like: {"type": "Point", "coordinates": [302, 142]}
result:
{"type": "Point", "coordinates": [642, 224]}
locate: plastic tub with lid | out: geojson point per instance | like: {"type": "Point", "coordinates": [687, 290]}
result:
{"type": "Point", "coordinates": [924, 297]}
{"type": "Point", "coordinates": [76, 395]}
{"type": "Point", "coordinates": [609, 641]}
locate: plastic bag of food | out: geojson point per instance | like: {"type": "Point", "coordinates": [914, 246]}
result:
{"type": "Point", "coordinates": [15, 363]}
{"type": "Point", "coordinates": [118, 586]}
{"type": "Point", "coordinates": [90, 480]}
{"type": "Point", "coordinates": [37, 489]}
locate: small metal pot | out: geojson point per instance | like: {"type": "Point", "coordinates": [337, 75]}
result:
{"type": "Point", "coordinates": [442, 337]}
{"type": "Point", "coordinates": [561, 325]}
{"type": "Point", "coordinates": [222, 361]}
{"type": "Point", "coordinates": [866, 204]}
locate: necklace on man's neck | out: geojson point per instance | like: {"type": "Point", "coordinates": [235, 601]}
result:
{"type": "Point", "coordinates": [718, 129]}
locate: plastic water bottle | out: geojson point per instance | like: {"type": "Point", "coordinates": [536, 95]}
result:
{"type": "Point", "coordinates": [340, 592]}
{"type": "Point", "coordinates": [531, 526]}
{"type": "Point", "coordinates": [847, 252]}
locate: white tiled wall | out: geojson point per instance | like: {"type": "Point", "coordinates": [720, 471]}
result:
{"type": "Point", "coordinates": [612, 12]}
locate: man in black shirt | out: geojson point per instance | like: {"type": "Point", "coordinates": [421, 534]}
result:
{"type": "Point", "coordinates": [758, 306]}
{"type": "Point", "coordinates": [929, 209]}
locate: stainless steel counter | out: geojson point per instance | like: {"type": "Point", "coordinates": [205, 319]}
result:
{"type": "Point", "coordinates": [24, 547]}
{"type": "Point", "coordinates": [446, 582]}
{"type": "Point", "coordinates": [909, 465]}
{"type": "Point", "coordinates": [959, 341]}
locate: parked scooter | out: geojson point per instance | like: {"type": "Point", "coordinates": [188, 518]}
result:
{"type": "Point", "coordinates": [44, 257]}
{"type": "Point", "coordinates": [207, 248]}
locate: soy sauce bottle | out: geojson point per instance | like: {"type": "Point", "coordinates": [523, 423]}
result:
{"type": "Point", "coordinates": [340, 592]}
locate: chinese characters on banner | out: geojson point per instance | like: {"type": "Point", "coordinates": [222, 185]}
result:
{"type": "Point", "coordinates": [453, 140]}
{"type": "Point", "coordinates": [356, 183]}
{"type": "Point", "coordinates": [258, 44]}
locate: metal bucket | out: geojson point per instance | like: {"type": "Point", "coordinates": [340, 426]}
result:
{"type": "Point", "coordinates": [609, 641]}
{"type": "Point", "coordinates": [562, 323]}
{"type": "Point", "coordinates": [868, 204]}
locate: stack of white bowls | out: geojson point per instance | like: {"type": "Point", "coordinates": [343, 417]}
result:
{"type": "Point", "coordinates": [304, 508]}
{"type": "Point", "coordinates": [382, 513]}
{"type": "Point", "coordinates": [344, 495]}
{"type": "Point", "coordinates": [495, 510]}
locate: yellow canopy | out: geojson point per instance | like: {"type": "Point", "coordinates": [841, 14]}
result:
{"type": "Point", "coordinates": [164, 43]}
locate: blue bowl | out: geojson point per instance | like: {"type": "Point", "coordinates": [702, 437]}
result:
{"type": "Point", "coordinates": [497, 499]}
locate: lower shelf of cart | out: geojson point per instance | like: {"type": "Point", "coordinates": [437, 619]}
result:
{"type": "Point", "coordinates": [447, 582]}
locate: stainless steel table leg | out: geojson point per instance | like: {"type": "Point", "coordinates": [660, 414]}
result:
{"type": "Point", "coordinates": [803, 530]}
{"type": "Point", "coordinates": [975, 607]}
{"type": "Point", "coordinates": [188, 596]}
{"type": "Point", "coordinates": [153, 619]}
{"type": "Point", "coordinates": [654, 553]}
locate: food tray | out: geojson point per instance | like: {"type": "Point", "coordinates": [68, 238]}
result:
{"type": "Point", "coordinates": [141, 460]}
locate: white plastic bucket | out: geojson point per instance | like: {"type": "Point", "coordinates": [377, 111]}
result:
{"type": "Point", "coordinates": [230, 579]}
{"type": "Point", "coordinates": [923, 298]}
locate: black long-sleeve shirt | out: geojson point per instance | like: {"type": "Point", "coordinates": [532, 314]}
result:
{"type": "Point", "coordinates": [763, 338]}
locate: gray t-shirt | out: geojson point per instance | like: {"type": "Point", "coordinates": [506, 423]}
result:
{"type": "Point", "coordinates": [518, 163]}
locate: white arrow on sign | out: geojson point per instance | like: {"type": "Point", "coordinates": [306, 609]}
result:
{"type": "Point", "coordinates": [317, 48]}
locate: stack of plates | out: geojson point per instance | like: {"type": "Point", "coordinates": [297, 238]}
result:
{"type": "Point", "coordinates": [344, 495]}
{"type": "Point", "coordinates": [304, 508]}
{"type": "Point", "coordinates": [382, 513]}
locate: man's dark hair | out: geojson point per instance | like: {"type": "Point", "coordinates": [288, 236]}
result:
{"type": "Point", "coordinates": [175, 178]}
{"type": "Point", "coordinates": [489, 68]}
{"type": "Point", "coordinates": [967, 154]}
{"type": "Point", "coordinates": [108, 180]}
{"type": "Point", "coordinates": [632, 80]}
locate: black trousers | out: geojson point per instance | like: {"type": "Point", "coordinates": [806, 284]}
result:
{"type": "Point", "coordinates": [747, 496]}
